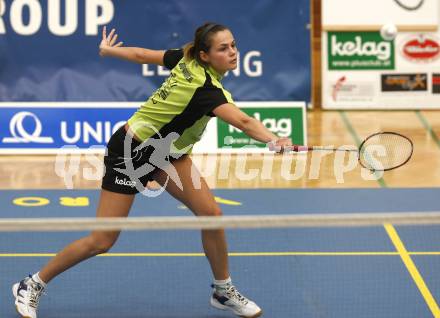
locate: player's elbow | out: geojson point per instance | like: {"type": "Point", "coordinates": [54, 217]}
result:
{"type": "Point", "coordinates": [245, 123]}
{"type": "Point", "coordinates": [140, 56]}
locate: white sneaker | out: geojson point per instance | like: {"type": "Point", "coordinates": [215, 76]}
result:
{"type": "Point", "coordinates": [27, 295]}
{"type": "Point", "coordinates": [232, 300]}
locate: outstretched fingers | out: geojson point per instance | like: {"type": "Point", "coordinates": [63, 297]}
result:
{"type": "Point", "coordinates": [110, 36]}
{"type": "Point", "coordinates": [109, 40]}
{"type": "Point", "coordinates": [113, 40]}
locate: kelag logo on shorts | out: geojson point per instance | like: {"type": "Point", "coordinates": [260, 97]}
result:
{"type": "Point", "coordinates": [282, 121]}
{"type": "Point", "coordinates": [359, 51]}
{"type": "Point", "coordinates": [404, 82]}
{"type": "Point", "coordinates": [436, 83]}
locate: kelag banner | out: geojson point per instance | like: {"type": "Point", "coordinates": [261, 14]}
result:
{"type": "Point", "coordinates": [361, 70]}
{"type": "Point", "coordinates": [49, 48]}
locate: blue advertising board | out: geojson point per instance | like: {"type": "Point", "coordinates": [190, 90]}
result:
{"type": "Point", "coordinates": [54, 126]}
{"type": "Point", "coordinates": [49, 48]}
{"type": "Point", "coordinates": [74, 127]}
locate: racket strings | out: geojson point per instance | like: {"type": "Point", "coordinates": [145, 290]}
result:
{"type": "Point", "coordinates": [385, 151]}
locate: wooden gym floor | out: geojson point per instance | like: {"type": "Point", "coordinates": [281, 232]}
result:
{"type": "Point", "coordinates": [306, 171]}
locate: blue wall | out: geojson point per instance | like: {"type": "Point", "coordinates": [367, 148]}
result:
{"type": "Point", "coordinates": [44, 66]}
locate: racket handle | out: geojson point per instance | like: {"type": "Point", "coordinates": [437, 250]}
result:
{"type": "Point", "coordinates": [294, 148]}
{"type": "Point", "coordinates": [297, 148]}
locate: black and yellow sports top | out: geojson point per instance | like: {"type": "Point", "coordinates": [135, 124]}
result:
{"type": "Point", "coordinates": [183, 104]}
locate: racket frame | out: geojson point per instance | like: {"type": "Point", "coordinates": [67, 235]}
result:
{"type": "Point", "coordinates": [299, 148]}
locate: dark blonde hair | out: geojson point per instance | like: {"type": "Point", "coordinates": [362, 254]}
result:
{"type": "Point", "coordinates": [202, 41]}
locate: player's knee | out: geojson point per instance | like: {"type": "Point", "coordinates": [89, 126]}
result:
{"type": "Point", "coordinates": [99, 244]}
{"type": "Point", "coordinates": [217, 211]}
{"type": "Point", "coordinates": [212, 211]}
{"type": "Point", "coordinates": [102, 246]}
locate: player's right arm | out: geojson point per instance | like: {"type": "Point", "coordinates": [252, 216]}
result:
{"type": "Point", "coordinates": [109, 48]}
{"type": "Point", "coordinates": [249, 125]}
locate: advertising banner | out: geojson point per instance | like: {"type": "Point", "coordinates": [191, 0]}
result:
{"type": "Point", "coordinates": [53, 128]}
{"type": "Point", "coordinates": [49, 48]}
{"type": "Point", "coordinates": [360, 70]}
{"type": "Point", "coordinates": [284, 121]}
{"type": "Point", "coordinates": [436, 83]}
{"type": "Point", "coordinates": [405, 82]}
{"type": "Point", "coordinates": [359, 51]}
{"type": "Point", "coordinates": [409, 14]}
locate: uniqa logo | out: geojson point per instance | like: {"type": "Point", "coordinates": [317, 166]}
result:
{"type": "Point", "coordinates": [382, 50]}
{"type": "Point", "coordinates": [21, 135]}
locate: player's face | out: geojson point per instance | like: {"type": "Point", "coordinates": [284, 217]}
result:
{"type": "Point", "coordinates": [222, 55]}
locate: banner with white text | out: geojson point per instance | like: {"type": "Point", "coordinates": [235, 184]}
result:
{"type": "Point", "coordinates": [54, 128]}
{"type": "Point", "coordinates": [49, 48]}
{"type": "Point", "coordinates": [361, 70]}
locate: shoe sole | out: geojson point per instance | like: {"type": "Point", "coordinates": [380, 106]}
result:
{"type": "Point", "coordinates": [16, 308]}
{"type": "Point", "coordinates": [14, 293]}
{"type": "Point", "coordinates": [217, 305]}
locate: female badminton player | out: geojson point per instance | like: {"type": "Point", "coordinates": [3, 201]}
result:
{"type": "Point", "coordinates": [157, 141]}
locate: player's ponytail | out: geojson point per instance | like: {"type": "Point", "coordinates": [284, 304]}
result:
{"type": "Point", "coordinates": [188, 51]}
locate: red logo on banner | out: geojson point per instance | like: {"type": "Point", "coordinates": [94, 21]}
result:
{"type": "Point", "coordinates": [436, 83]}
{"type": "Point", "coordinates": [337, 87]}
{"type": "Point", "coordinates": [421, 49]}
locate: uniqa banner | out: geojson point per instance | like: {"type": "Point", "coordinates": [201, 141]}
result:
{"type": "Point", "coordinates": [52, 128]}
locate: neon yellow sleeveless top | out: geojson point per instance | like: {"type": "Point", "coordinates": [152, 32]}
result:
{"type": "Point", "coordinates": [182, 105]}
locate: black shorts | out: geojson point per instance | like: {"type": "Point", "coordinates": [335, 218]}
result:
{"type": "Point", "coordinates": [128, 171]}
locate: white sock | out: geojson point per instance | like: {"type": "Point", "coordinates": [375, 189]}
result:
{"type": "Point", "coordinates": [222, 285]}
{"type": "Point", "coordinates": [37, 279]}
